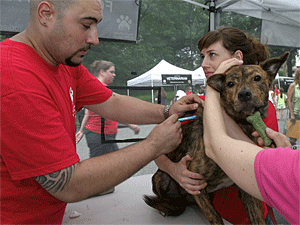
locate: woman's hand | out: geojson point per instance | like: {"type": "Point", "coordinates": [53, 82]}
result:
{"type": "Point", "coordinates": [135, 128]}
{"type": "Point", "coordinates": [79, 135]}
{"type": "Point", "coordinates": [192, 182]}
{"type": "Point", "coordinates": [280, 139]}
{"type": "Point", "coordinates": [225, 65]}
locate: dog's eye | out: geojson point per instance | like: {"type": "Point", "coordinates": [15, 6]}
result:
{"type": "Point", "coordinates": [230, 84]}
{"type": "Point", "coordinates": [257, 78]}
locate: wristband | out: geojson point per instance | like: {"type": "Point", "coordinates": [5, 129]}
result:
{"type": "Point", "coordinates": [166, 111]}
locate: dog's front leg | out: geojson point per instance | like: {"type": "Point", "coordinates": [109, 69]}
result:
{"type": "Point", "coordinates": [253, 208]}
{"type": "Point", "coordinates": [208, 208]}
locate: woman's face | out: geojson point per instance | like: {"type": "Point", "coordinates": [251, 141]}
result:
{"type": "Point", "coordinates": [107, 76]}
{"type": "Point", "coordinates": [213, 56]}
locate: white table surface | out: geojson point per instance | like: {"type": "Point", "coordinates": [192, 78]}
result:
{"type": "Point", "coordinates": [126, 206]}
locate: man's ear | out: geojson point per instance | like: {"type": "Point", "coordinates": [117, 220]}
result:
{"type": "Point", "coordinates": [45, 12]}
{"type": "Point", "coordinates": [239, 55]}
{"type": "Point", "coordinates": [215, 81]}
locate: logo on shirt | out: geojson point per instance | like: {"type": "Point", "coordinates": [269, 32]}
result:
{"type": "Point", "coordinates": [71, 92]}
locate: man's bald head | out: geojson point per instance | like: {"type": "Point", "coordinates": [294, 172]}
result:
{"type": "Point", "coordinates": [60, 5]}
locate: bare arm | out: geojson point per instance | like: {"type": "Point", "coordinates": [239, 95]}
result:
{"type": "Point", "coordinates": [126, 109]}
{"type": "Point", "coordinates": [235, 157]}
{"type": "Point", "coordinates": [98, 174]}
{"type": "Point", "coordinates": [289, 100]}
{"type": "Point", "coordinates": [80, 133]}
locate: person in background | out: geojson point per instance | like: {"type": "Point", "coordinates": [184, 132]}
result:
{"type": "Point", "coordinates": [201, 90]}
{"type": "Point", "coordinates": [163, 96]}
{"type": "Point", "coordinates": [189, 90]}
{"type": "Point", "coordinates": [271, 95]}
{"type": "Point", "coordinates": [276, 90]}
{"type": "Point", "coordinates": [218, 46]}
{"type": "Point", "coordinates": [293, 131]}
{"type": "Point", "coordinates": [276, 93]}
{"type": "Point", "coordinates": [281, 100]}
{"type": "Point", "coordinates": [173, 100]}
{"type": "Point", "coordinates": [269, 174]}
{"type": "Point", "coordinates": [91, 124]}
{"type": "Point", "coordinates": [43, 84]}
{"type": "Point", "coordinates": [180, 94]}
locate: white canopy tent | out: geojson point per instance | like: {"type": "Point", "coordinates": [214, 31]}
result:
{"type": "Point", "coordinates": [153, 77]}
{"type": "Point", "coordinates": [199, 76]}
{"type": "Point", "coordinates": [280, 18]}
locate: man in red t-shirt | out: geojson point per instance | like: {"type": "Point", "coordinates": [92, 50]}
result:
{"type": "Point", "coordinates": [43, 84]}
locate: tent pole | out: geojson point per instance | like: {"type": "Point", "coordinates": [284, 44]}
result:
{"type": "Point", "coordinates": [152, 89]}
{"type": "Point", "coordinates": [212, 15]}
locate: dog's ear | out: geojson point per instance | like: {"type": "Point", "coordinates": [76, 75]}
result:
{"type": "Point", "coordinates": [216, 81]}
{"type": "Point", "coordinates": [271, 66]}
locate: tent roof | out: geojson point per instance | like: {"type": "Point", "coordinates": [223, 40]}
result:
{"type": "Point", "coordinates": [279, 18]}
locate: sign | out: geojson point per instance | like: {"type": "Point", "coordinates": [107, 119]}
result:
{"type": "Point", "coordinates": [176, 79]}
{"type": "Point", "coordinates": [120, 18]}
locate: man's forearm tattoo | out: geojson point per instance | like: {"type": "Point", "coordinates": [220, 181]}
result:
{"type": "Point", "coordinates": [57, 181]}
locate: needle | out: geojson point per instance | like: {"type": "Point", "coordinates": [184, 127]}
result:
{"type": "Point", "coordinates": [186, 118]}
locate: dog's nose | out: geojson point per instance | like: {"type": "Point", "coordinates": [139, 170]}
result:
{"type": "Point", "coordinates": [244, 95]}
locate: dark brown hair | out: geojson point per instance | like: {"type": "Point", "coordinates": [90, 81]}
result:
{"type": "Point", "coordinates": [234, 39]}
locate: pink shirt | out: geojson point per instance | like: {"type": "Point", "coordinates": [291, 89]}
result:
{"type": "Point", "coordinates": [277, 174]}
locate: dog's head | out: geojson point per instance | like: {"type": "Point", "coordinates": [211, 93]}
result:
{"type": "Point", "coordinates": [245, 89]}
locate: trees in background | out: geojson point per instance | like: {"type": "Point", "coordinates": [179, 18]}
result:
{"type": "Point", "coordinates": [170, 30]}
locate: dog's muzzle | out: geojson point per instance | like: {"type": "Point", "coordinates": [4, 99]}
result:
{"type": "Point", "coordinates": [244, 95]}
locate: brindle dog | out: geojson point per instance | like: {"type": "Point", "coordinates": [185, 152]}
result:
{"type": "Point", "coordinates": [243, 90]}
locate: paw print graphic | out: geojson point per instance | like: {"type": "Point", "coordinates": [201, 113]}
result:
{"type": "Point", "coordinates": [124, 23]}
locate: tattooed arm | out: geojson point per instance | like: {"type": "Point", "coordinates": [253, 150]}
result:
{"type": "Point", "coordinates": [94, 175]}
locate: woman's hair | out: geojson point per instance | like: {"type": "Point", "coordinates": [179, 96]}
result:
{"type": "Point", "coordinates": [281, 92]}
{"type": "Point", "coordinates": [98, 65]}
{"type": "Point", "coordinates": [163, 92]}
{"type": "Point", "coordinates": [234, 39]}
{"type": "Point", "coordinates": [297, 77]}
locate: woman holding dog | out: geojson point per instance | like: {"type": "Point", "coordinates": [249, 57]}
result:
{"type": "Point", "coordinates": [271, 175]}
{"type": "Point", "coordinates": [216, 47]}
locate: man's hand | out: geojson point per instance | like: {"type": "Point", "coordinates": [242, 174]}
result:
{"type": "Point", "coordinates": [185, 106]}
{"type": "Point", "coordinates": [166, 136]}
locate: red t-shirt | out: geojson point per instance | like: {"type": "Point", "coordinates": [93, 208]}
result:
{"type": "Point", "coordinates": [94, 124]}
{"type": "Point", "coordinates": [38, 103]}
{"type": "Point", "coordinates": [227, 201]}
